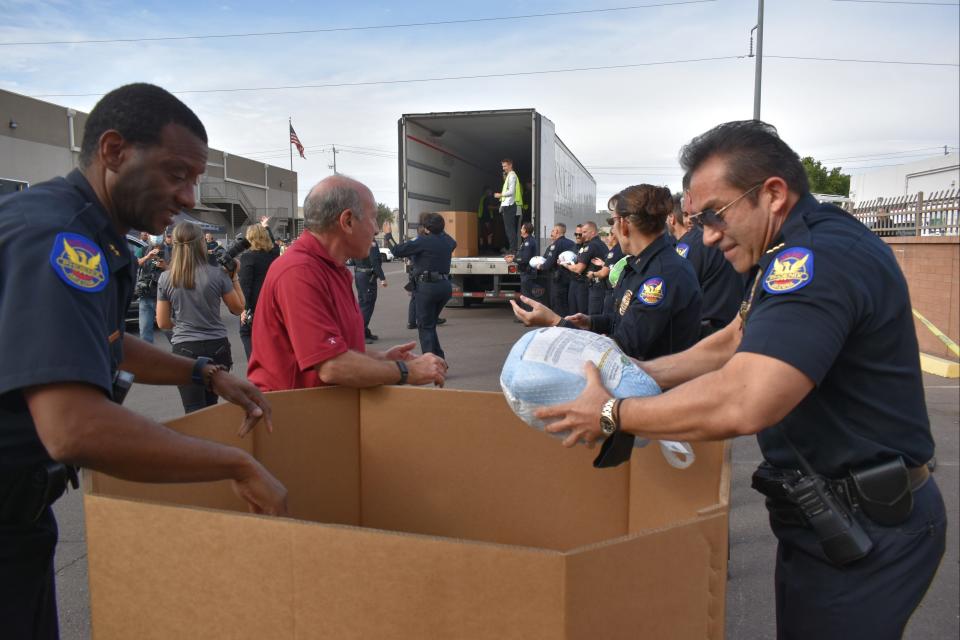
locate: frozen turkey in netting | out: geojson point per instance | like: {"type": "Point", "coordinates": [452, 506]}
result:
{"type": "Point", "coordinates": [545, 367]}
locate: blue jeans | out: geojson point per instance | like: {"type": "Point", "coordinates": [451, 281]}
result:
{"type": "Point", "coordinates": [148, 315]}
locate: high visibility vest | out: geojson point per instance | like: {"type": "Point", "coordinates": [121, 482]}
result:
{"type": "Point", "coordinates": [518, 192]}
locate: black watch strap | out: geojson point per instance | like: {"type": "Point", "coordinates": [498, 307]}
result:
{"type": "Point", "coordinates": [197, 376]}
{"type": "Point", "coordinates": [404, 372]}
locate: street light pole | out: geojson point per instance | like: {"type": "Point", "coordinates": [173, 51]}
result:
{"type": "Point", "coordinates": [759, 62]}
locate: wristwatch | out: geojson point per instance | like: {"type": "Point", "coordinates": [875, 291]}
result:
{"type": "Point", "coordinates": [608, 420]}
{"type": "Point", "coordinates": [403, 371]}
{"type": "Point", "coordinates": [196, 377]}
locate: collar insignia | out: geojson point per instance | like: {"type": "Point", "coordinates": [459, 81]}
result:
{"type": "Point", "coordinates": [625, 301]}
{"type": "Point", "coordinates": [683, 249]}
{"type": "Point", "coordinates": [790, 270]}
{"type": "Point", "coordinates": [651, 292]}
{"type": "Point", "coordinates": [79, 262]}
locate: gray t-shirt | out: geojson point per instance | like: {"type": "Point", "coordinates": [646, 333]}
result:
{"type": "Point", "coordinates": [197, 310]}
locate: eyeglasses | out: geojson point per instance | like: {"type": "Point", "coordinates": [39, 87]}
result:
{"type": "Point", "coordinates": [714, 218]}
{"type": "Point", "coordinates": [612, 220]}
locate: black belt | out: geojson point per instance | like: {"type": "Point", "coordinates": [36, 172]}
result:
{"type": "Point", "coordinates": [363, 269]}
{"type": "Point", "coordinates": [432, 276]}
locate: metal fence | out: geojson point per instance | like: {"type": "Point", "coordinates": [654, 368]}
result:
{"type": "Point", "coordinates": [934, 214]}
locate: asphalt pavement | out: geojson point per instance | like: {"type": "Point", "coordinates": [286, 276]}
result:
{"type": "Point", "coordinates": [476, 341]}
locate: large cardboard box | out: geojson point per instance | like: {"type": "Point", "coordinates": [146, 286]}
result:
{"type": "Point", "coordinates": [462, 227]}
{"type": "Point", "coordinates": [415, 513]}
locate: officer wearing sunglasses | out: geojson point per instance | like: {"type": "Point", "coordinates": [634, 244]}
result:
{"type": "Point", "coordinates": [822, 365]}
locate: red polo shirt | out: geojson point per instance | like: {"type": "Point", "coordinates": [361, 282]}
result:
{"type": "Point", "coordinates": [306, 314]}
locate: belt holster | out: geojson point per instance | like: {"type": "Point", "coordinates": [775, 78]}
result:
{"type": "Point", "coordinates": [30, 493]}
{"type": "Point", "coordinates": [883, 492]}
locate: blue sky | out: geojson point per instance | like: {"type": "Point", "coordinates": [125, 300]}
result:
{"type": "Point", "coordinates": [633, 117]}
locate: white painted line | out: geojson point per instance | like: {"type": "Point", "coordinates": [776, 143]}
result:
{"type": "Point", "coordinates": [943, 387]}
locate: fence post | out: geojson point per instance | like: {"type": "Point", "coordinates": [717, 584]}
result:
{"type": "Point", "coordinates": [918, 220]}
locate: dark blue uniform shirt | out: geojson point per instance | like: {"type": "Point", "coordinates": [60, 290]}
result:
{"type": "Point", "coordinates": [832, 302]}
{"type": "Point", "coordinates": [373, 262]}
{"type": "Point", "coordinates": [656, 304]}
{"type": "Point", "coordinates": [553, 252]}
{"type": "Point", "coordinates": [593, 249]}
{"type": "Point", "coordinates": [722, 286]}
{"type": "Point", "coordinates": [613, 257]}
{"type": "Point", "coordinates": [429, 252]}
{"type": "Point", "coordinates": [528, 249]}
{"type": "Point", "coordinates": [66, 279]}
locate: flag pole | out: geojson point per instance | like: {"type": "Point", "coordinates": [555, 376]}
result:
{"type": "Point", "coordinates": [289, 141]}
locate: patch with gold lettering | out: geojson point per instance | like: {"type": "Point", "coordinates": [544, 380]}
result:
{"type": "Point", "coordinates": [683, 249]}
{"type": "Point", "coordinates": [625, 302]}
{"type": "Point", "coordinates": [791, 269]}
{"type": "Point", "coordinates": [652, 291]}
{"type": "Point", "coordinates": [79, 262]}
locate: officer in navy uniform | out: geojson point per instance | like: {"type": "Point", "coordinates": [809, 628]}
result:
{"type": "Point", "coordinates": [530, 285]}
{"type": "Point", "coordinates": [559, 289]}
{"type": "Point", "coordinates": [66, 275]}
{"type": "Point", "coordinates": [430, 254]}
{"type": "Point", "coordinates": [592, 249]}
{"type": "Point", "coordinates": [822, 365]}
{"type": "Point", "coordinates": [614, 255]}
{"type": "Point", "coordinates": [577, 299]}
{"type": "Point", "coordinates": [366, 273]}
{"type": "Point", "coordinates": [721, 284]}
{"type": "Point", "coordinates": [657, 299]}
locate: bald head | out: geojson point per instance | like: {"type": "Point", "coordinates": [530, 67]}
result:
{"type": "Point", "coordinates": [331, 197]}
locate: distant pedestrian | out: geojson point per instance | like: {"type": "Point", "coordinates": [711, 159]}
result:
{"type": "Point", "coordinates": [254, 264]}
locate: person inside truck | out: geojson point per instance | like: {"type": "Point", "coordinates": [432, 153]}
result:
{"type": "Point", "coordinates": [511, 204]}
{"type": "Point", "coordinates": [486, 212]}
{"type": "Point", "coordinates": [308, 329]}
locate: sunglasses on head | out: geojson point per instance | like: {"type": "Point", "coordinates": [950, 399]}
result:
{"type": "Point", "coordinates": [714, 217]}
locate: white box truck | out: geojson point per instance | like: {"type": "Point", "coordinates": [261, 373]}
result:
{"type": "Point", "coordinates": [446, 160]}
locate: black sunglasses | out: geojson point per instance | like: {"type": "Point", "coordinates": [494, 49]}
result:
{"type": "Point", "coordinates": [714, 217]}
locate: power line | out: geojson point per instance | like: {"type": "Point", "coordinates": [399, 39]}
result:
{"type": "Point", "coordinates": [878, 155]}
{"type": "Point", "coordinates": [412, 80]}
{"type": "Point", "coordinates": [906, 62]}
{"type": "Point", "coordinates": [933, 4]}
{"type": "Point", "coordinates": [360, 28]}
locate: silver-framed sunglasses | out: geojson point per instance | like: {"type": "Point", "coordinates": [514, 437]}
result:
{"type": "Point", "coordinates": [714, 217]}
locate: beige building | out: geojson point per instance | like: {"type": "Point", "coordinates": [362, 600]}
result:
{"type": "Point", "coordinates": [40, 140]}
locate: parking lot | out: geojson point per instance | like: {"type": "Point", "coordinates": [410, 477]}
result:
{"type": "Point", "coordinates": [477, 341]}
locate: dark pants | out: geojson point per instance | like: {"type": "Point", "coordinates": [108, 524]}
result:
{"type": "Point", "coordinates": [607, 301]}
{"type": "Point", "coordinates": [366, 282]}
{"type": "Point", "coordinates": [412, 310]}
{"type": "Point", "coordinates": [595, 294]}
{"type": "Point", "coordinates": [560, 296]}
{"type": "Point", "coordinates": [28, 597]}
{"type": "Point", "coordinates": [246, 338]}
{"type": "Point", "coordinates": [870, 598]}
{"type": "Point", "coordinates": [532, 287]}
{"type": "Point", "coordinates": [577, 299]}
{"type": "Point", "coordinates": [430, 297]}
{"type": "Point", "coordinates": [195, 396]}
{"type": "Point", "coordinates": [511, 226]}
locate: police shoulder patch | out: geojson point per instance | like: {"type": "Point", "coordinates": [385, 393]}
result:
{"type": "Point", "coordinates": [652, 291]}
{"type": "Point", "coordinates": [791, 269]}
{"type": "Point", "coordinates": [683, 249]}
{"type": "Point", "coordinates": [79, 262]}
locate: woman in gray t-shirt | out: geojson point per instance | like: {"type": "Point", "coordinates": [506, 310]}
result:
{"type": "Point", "coordinates": [191, 291]}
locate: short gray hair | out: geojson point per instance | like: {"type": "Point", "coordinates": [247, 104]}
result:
{"type": "Point", "coordinates": [322, 207]}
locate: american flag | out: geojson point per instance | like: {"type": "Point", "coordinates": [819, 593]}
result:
{"type": "Point", "coordinates": [295, 140]}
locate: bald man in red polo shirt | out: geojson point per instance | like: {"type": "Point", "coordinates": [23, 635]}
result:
{"type": "Point", "coordinates": [308, 329]}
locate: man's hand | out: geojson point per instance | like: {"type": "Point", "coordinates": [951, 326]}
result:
{"type": "Point", "coordinates": [264, 221]}
{"type": "Point", "coordinates": [497, 195]}
{"type": "Point", "coordinates": [245, 395]}
{"type": "Point", "coordinates": [579, 320]}
{"type": "Point", "coordinates": [581, 418]}
{"type": "Point", "coordinates": [426, 369]}
{"type": "Point", "coordinates": [597, 261]}
{"type": "Point", "coordinates": [262, 492]}
{"type": "Point", "coordinates": [383, 283]}
{"type": "Point", "coordinates": [538, 316]}
{"type": "Point", "coordinates": [401, 352]}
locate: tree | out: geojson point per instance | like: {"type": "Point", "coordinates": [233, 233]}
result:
{"type": "Point", "coordinates": [822, 180]}
{"type": "Point", "coordinates": [384, 214]}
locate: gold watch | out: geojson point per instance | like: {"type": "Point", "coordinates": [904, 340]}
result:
{"type": "Point", "coordinates": [608, 422]}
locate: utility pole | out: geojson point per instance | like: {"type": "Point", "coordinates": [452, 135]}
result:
{"type": "Point", "coordinates": [334, 165]}
{"type": "Point", "coordinates": [759, 62]}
